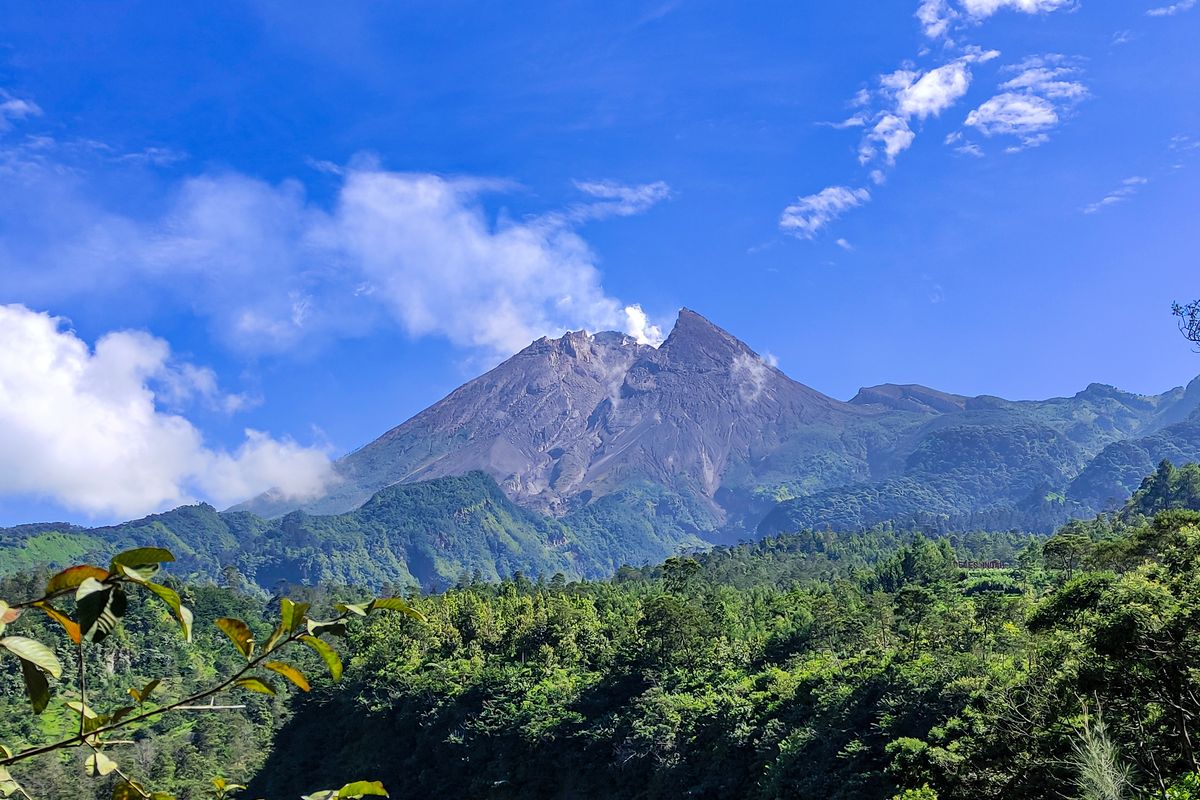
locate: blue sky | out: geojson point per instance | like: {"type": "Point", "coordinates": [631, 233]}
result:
{"type": "Point", "coordinates": [311, 220]}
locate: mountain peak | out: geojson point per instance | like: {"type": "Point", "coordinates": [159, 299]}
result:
{"type": "Point", "coordinates": [695, 338]}
{"type": "Point", "coordinates": [909, 397]}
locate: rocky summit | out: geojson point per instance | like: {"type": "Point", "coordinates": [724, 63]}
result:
{"type": "Point", "coordinates": [589, 419]}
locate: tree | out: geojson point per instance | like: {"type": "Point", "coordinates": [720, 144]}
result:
{"type": "Point", "coordinates": [1067, 551]}
{"type": "Point", "coordinates": [1189, 320]}
{"type": "Point", "coordinates": [101, 599]}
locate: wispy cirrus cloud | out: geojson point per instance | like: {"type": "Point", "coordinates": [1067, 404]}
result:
{"type": "Point", "coordinates": [1128, 188]}
{"type": "Point", "coordinates": [1172, 9]}
{"type": "Point", "coordinates": [613, 199]}
{"type": "Point", "coordinates": [805, 217]}
{"type": "Point", "coordinates": [15, 108]}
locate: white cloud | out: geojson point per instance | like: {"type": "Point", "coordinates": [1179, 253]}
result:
{"type": "Point", "coordinates": [1172, 10]}
{"type": "Point", "coordinates": [638, 325]}
{"type": "Point", "coordinates": [1011, 113]}
{"type": "Point", "coordinates": [938, 17]}
{"type": "Point", "coordinates": [619, 200]}
{"type": "Point", "coordinates": [981, 9]}
{"type": "Point", "coordinates": [893, 133]}
{"type": "Point", "coordinates": [14, 108]}
{"type": "Point", "coordinates": [1047, 82]}
{"type": "Point", "coordinates": [910, 94]}
{"type": "Point", "coordinates": [934, 92]}
{"type": "Point", "coordinates": [274, 270]}
{"type": "Point", "coordinates": [750, 375]}
{"type": "Point", "coordinates": [808, 215]}
{"type": "Point", "coordinates": [1031, 103]}
{"type": "Point", "coordinates": [845, 245]}
{"type": "Point", "coordinates": [1128, 188]}
{"type": "Point", "coordinates": [84, 427]}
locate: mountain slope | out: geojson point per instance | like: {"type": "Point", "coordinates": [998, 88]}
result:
{"type": "Point", "coordinates": [702, 437]}
{"type": "Point", "coordinates": [426, 534]}
{"type": "Point", "coordinates": [569, 420]}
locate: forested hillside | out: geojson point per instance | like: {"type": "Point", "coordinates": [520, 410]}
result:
{"type": "Point", "coordinates": [808, 665]}
{"type": "Point", "coordinates": [802, 666]}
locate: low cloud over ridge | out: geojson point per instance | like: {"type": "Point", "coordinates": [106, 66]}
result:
{"type": "Point", "coordinates": [85, 427]}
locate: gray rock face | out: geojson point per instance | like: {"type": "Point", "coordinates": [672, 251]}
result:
{"type": "Point", "coordinates": [582, 415]}
{"type": "Point", "coordinates": [568, 421]}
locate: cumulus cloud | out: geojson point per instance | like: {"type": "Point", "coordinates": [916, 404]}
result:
{"type": "Point", "coordinates": [892, 134]}
{"type": "Point", "coordinates": [979, 9]}
{"type": "Point", "coordinates": [934, 92]}
{"type": "Point", "coordinates": [910, 94]}
{"type": "Point", "coordinates": [638, 325]}
{"type": "Point", "coordinates": [806, 217]}
{"type": "Point", "coordinates": [1171, 10]}
{"type": "Point", "coordinates": [1128, 188]}
{"type": "Point", "coordinates": [1031, 103]}
{"type": "Point", "coordinates": [86, 427]}
{"type": "Point", "coordinates": [274, 270]}
{"type": "Point", "coordinates": [939, 17]}
{"type": "Point", "coordinates": [1011, 113]}
{"type": "Point", "coordinates": [936, 17]}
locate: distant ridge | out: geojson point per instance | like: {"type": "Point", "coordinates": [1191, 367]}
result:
{"type": "Point", "coordinates": [568, 422]}
{"type": "Point", "coordinates": [586, 452]}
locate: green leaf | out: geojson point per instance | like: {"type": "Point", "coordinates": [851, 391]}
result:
{"type": "Point", "coordinates": [100, 606]}
{"type": "Point", "coordinates": [68, 624]}
{"type": "Point", "coordinates": [73, 577]}
{"type": "Point", "coordinates": [274, 638]}
{"type": "Point", "coordinates": [291, 673]}
{"type": "Point", "coordinates": [238, 633]}
{"type": "Point", "coordinates": [354, 608]}
{"type": "Point", "coordinates": [316, 628]}
{"type": "Point", "coordinates": [332, 661]}
{"type": "Point", "coordinates": [143, 557]}
{"type": "Point", "coordinates": [34, 652]}
{"type": "Point", "coordinates": [99, 765]}
{"type": "Point", "coordinates": [125, 790]}
{"type": "Point", "coordinates": [8, 786]}
{"type": "Point", "coordinates": [36, 686]}
{"type": "Point", "coordinates": [115, 716]}
{"type": "Point", "coordinates": [7, 614]}
{"type": "Point", "coordinates": [143, 694]}
{"type": "Point", "coordinates": [182, 612]}
{"type": "Point", "coordinates": [82, 710]}
{"type": "Point", "coordinates": [362, 789]}
{"type": "Point", "coordinates": [255, 685]}
{"type": "Point", "coordinates": [292, 614]}
{"type": "Point", "coordinates": [141, 575]}
{"type": "Point", "coordinates": [5, 752]}
{"type": "Point", "coordinates": [396, 604]}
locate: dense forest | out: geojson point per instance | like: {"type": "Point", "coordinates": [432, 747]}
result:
{"type": "Point", "coordinates": [807, 665]}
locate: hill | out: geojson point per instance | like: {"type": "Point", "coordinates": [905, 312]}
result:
{"type": "Point", "coordinates": [702, 437]}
